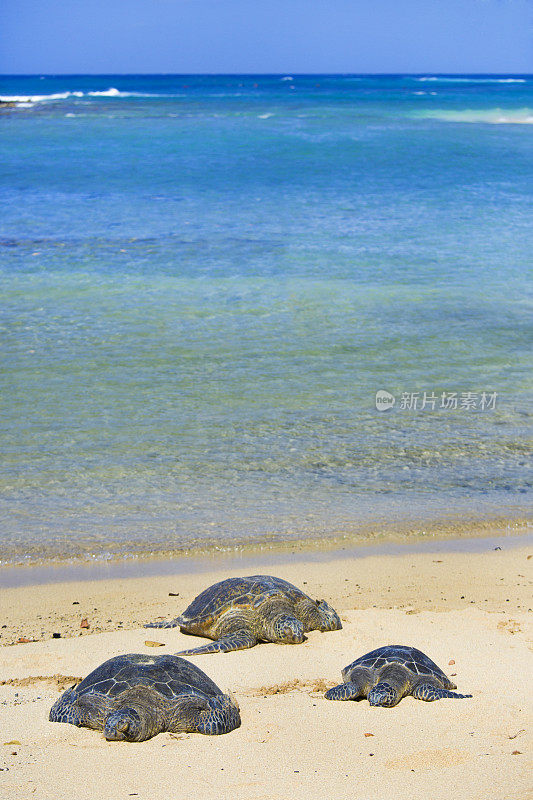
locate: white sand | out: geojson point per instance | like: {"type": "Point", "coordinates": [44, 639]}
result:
{"type": "Point", "coordinates": [471, 609]}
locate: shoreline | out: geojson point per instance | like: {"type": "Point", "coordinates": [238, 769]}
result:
{"type": "Point", "coordinates": [93, 589]}
{"type": "Point", "coordinates": [200, 557]}
{"type": "Point", "coordinates": [126, 569]}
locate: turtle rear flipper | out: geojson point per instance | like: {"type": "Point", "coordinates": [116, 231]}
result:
{"type": "Point", "coordinates": [174, 623]}
{"type": "Point", "coordinates": [237, 641]}
{"type": "Point", "coordinates": [430, 692]}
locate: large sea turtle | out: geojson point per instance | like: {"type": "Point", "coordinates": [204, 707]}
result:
{"type": "Point", "coordinates": [240, 612]}
{"type": "Point", "coordinates": [134, 697]}
{"type": "Point", "coordinates": [389, 673]}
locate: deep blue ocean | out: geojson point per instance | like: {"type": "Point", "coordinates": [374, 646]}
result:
{"type": "Point", "coordinates": [205, 280]}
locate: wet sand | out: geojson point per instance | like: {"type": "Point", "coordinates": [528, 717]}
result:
{"type": "Point", "coordinates": [468, 610]}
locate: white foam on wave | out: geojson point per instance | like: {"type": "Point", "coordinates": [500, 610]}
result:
{"type": "Point", "coordinates": [287, 78]}
{"type": "Point", "coordinates": [25, 101]}
{"type": "Point", "coordinates": [112, 92]}
{"type": "Point", "coordinates": [265, 116]}
{"type": "Point", "coordinates": [490, 116]}
{"type": "Point", "coordinates": [116, 93]}
{"type": "Point", "coordinates": [38, 98]}
{"type": "Point", "coordinates": [471, 80]}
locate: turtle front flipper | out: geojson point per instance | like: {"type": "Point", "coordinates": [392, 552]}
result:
{"type": "Point", "coordinates": [174, 623]}
{"type": "Point", "coordinates": [236, 641]}
{"type": "Point", "coordinates": [344, 691]}
{"type": "Point", "coordinates": [86, 711]}
{"type": "Point", "coordinates": [65, 709]}
{"type": "Point", "coordinates": [430, 692]}
{"type": "Point", "coordinates": [357, 686]}
{"type": "Point", "coordinates": [221, 716]}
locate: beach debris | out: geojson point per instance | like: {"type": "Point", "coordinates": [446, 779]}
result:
{"type": "Point", "coordinates": [75, 603]}
{"type": "Point", "coordinates": [168, 693]}
{"type": "Point", "coordinates": [24, 640]}
{"type": "Point", "coordinates": [84, 623]}
{"type": "Point", "coordinates": [369, 734]}
{"type": "Point", "coordinates": [61, 681]}
{"type": "Point", "coordinates": [450, 662]}
{"type": "Point", "coordinates": [515, 735]}
{"type": "Point", "coordinates": [510, 625]}
{"type": "Point", "coordinates": [272, 610]}
{"type": "Point", "coordinates": [514, 753]}
{"type": "Point", "coordinates": [149, 643]}
{"type": "Point", "coordinates": [14, 741]}
{"type": "Point", "coordinates": [497, 548]}
{"type": "Point", "coordinates": [173, 594]}
{"type": "Point", "coordinates": [56, 636]}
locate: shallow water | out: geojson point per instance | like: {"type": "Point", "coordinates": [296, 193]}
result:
{"type": "Point", "coordinates": [206, 280]}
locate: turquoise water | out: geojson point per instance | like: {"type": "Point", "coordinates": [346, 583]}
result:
{"type": "Point", "coordinates": [206, 280]}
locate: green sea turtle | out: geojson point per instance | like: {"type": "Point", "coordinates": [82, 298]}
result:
{"type": "Point", "coordinates": [240, 612]}
{"type": "Point", "coordinates": [134, 697]}
{"type": "Point", "coordinates": [389, 673]}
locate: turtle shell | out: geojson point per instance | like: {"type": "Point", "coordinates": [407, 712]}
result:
{"type": "Point", "coordinates": [414, 660]}
{"type": "Point", "coordinates": [169, 675]}
{"type": "Point", "coordinates": [249, 592]}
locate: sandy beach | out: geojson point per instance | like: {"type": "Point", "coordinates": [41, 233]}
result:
{"type": "Point", "coordinates": [469, 611]}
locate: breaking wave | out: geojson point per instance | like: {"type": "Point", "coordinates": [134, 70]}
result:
{"type": "Point", "coordinates": [491, 116]}
{"type": "Point", "coordinates": [27, 100]}
{"type": "Point", "coordinates": [443, 79]}
{"type": "Point", "coordinates": [37, 98]}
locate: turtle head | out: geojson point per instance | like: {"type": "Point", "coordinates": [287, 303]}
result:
{"type": "Point", "coordinates": [288, 629]}
{"type": "Point", "coordinates": [329, 617]}
{"type": "Point", "coordinates": [220, 715]}
{"type": "Point", "coordinates": [124, 725]}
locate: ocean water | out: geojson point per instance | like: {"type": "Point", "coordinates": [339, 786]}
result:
{"type": "Point", "coordinates": [205, 280]}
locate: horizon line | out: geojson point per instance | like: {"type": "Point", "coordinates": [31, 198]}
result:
{"type": "Point", "coordinates": [250, 74]}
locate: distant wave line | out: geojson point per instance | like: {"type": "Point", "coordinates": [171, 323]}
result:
{"type": "Point", "coordinates": [492, 116]}
{"type": "Point", "coordinates": [471, 80]}
{"type": "Point", "coordinates": [42, 98]}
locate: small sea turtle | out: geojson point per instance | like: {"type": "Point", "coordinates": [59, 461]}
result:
{"type": "Point", "coordinates": [240, 612]}
{"type": "Point", "coordinates": [389, 673]}
{"type": "Point", "coordinates": [134, 697]}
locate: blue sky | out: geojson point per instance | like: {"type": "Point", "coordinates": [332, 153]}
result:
{"type": "Point", "coordinates": [254, 36]}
